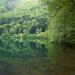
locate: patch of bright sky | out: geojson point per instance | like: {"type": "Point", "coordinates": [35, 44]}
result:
{"type": "Point", "coordinates": [26, 5]}
{"type": "Point", "coordinates": [22, 3]}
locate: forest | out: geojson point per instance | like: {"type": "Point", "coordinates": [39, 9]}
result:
{"type": "Point", "coordinates": [62, 21]}
{"type": "Point", "coordinates": [45, 19]}
{"type": "Point", "coordinates": [23, 19]}
{"type": "Point", "coordinates": [37, 37]}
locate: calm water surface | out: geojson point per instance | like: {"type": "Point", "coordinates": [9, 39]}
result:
{"type": "Point", "coordinates": [35, 58]}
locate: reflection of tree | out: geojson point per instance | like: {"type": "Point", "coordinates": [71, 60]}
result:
{"type": "Point", "coordinates": [39, 49]}
{"type": "Point", "coordinates": [61, 59]}
{"type": "Point", "coordinates": [24, 48]}
{"type": "Point", "coordinates": [50, 58]}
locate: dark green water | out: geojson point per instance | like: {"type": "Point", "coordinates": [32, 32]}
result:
{"type": "Point", "coordinates": [38, 57]}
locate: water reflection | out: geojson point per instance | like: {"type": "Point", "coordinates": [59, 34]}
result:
{"type": "Point", "coordinates": [22, 49]}
{"type": "Point", "coordinates": [39, 49]}
{"type": "Point", "coordinates": [35, 58]}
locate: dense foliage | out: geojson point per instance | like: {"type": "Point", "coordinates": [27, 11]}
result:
{"type": "Point", "coordinates": [62, 21]}
{"type": "Point", "coordinates": [23, 17]}
{"type": "Point", "coordinates": [51, 18]}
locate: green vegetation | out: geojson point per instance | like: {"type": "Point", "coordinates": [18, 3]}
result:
{"type": "Point", "coordinates": [45, 19]}
{"type": "Point", "coordinates": [37, 37]}
{"type": "Point", "coordinates": [23, 18]}
{"type": "Point", "coordinates": [62, 21]}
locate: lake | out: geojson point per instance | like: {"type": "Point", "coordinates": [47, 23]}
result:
{"type": "Point", "coordinates": [36, 57]}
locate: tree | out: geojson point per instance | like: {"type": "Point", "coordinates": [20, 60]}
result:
{"type": "Point", "coordinates": [26, 17]}
{"type": "Point", "coordinates": [62, 21]}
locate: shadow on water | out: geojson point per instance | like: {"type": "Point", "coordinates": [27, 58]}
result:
{"type": "Point", "coordinates": [38, 57]}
